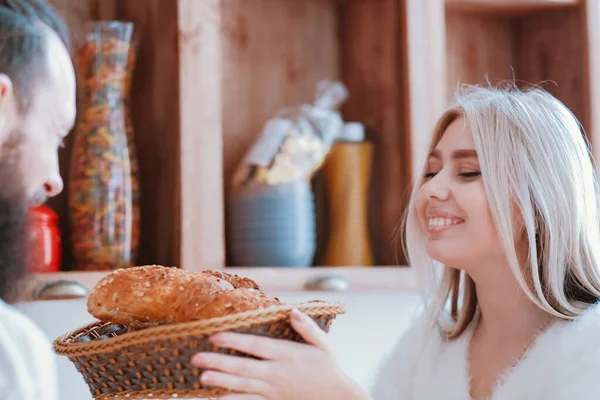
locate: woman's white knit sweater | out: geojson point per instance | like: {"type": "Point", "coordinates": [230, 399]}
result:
{"type": "Point", "coordinates": [563, 363]}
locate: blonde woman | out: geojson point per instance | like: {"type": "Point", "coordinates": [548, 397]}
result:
{"type": "Point", "coordinates": [503, 230]}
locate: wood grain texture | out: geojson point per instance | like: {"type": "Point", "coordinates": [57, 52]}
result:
{"type": "Point", "coordinates": [591, 85]}
{"type": "Point", "coordinates": [510, 7]}
{"type": "Point", "coordinates": [155, 113]}
{"type": "Point", "coordinates": [111, 9]}
{"type": "Point", "coordinates": [550, 49]}
{"type": "Point", "coordinates": [544, 49]}
{"type": "Point", "coordinates": [202, 237]}
{"type": "Point", "coordinates": [479, 48]}
{"type": "Point", "coordinates": [274, 53]}
{"type": "Point", "coordinates": [76, 14]}
{"type": "Point", "coordinates": [373, 68]}
{"type": "Point", "coordinates": [426, 95]}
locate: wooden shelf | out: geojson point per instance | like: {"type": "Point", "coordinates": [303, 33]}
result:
{"type": "Point", "coordinates": [273, 280]}
{"type": "Point", "coordinates": [510, 7]}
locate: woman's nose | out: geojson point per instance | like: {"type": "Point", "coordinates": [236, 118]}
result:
{"type": "Point", "coordinates": [437, 188]}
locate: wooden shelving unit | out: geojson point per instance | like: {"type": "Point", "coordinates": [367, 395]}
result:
{"type": "Point", "coordinates": [511, 7]}
{"type": "Point", "coordinates": [211, 72]}
{"type": "Point", "coordinates": [554, 48]}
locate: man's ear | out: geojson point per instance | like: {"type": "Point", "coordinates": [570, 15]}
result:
{"type": "Point", "coordinates": [6, 93]}
{"type": "Point", "coordinates": [6, 87]}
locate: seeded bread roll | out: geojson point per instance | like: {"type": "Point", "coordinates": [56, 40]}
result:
{"type": "Point", "coordinates": [150, 295]}
{"type": "Point", "coordinates": [145, 296]}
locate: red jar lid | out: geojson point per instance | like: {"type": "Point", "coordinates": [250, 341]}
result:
{"type": "Point", "coordinates": [44, 213]}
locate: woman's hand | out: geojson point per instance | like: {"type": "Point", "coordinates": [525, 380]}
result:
{"type": "Point", "coordinates": [288, 370]}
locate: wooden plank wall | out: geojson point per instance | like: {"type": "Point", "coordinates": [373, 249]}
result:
{"type": "Point", "coordinates": [550, 50]}
{"type": "Point", "coordinates": [274, 53]}
{"type": "Point", "coordinates": [545, 48]}
{"type": "Point", "coordinates": [426, 77]}
{"type": "Point", "coordinates": [156, 118]}
{"type": "Point", "coordinates": [591, 34]}
{"type": "Point", "coordinates": [373, 68]}
{"type": "Point", "coordinates": [512, 7]}
{"type": "Point", "coordinates": [202, 242]}
{"type": "Point", "coordinates": [479, 47]}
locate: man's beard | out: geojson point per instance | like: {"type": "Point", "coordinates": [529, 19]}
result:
{"type": "Point", "coordinates": [14, 222]}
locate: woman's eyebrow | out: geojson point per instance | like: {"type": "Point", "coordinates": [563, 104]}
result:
{"type": "Point", "coordinates": [456, 154]}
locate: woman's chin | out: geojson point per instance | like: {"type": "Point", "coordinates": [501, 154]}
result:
{"type": "Point", "coordinates": [443, 253]}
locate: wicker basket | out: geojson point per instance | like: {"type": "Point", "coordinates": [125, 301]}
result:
{"type": "Point", "coordinates": [154, 363]}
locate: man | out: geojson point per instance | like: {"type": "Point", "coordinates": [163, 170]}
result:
{"type": "Point", "coordinates": [37, 110]}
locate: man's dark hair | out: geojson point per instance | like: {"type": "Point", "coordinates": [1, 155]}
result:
{"type": "Point", "coordinates": [23, 43]}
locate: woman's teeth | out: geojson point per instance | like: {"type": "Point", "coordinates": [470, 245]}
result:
{"type": "Point", "coordinates": [436, 222]}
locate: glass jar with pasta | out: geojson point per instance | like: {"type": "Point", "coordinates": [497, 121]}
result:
{"type": "Point", "coordinates": [103, 185]}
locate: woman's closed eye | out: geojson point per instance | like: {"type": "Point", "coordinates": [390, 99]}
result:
{"type": "Point", "coordinates": [466, 175]}
{"type": "Point", "coordinates": [470, 174]}
{"type": "Point", "coordinates": [429, 175]}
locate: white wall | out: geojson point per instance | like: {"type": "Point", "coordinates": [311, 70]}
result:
{"type": "Point", "coordinates": [360, 338]}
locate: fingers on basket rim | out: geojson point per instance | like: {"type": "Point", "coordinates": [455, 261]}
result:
{"type": "Point", "coordinates": [233, 382]}
{"type": "Point", "coordinates": [240, 366]}
{"type": "Point", "coordinates": [310, 331]}
{"type": "Point", "coordinates": [260, 346]}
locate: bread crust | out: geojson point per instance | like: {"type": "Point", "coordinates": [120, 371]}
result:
{"type": "Point", "coordinates": [236, 281]}
{"type": "Point", "coordinates": [145, 296]}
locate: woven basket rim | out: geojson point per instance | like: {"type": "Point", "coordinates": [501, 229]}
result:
{"type": "Point", "coordinates": [184, 329]}
{"type": "Point", "coordinates": [166, 394]}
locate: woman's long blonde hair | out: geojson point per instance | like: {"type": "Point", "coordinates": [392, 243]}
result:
{"type": "Point", "coordinates": [533, 155]}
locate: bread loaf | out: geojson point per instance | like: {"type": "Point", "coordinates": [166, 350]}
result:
{"type": "Point", "coordinates": [153, 295]}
